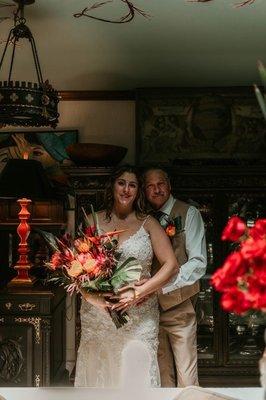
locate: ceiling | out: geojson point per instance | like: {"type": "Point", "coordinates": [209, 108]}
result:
{"type": "Point", "coordinates": [181, 44]}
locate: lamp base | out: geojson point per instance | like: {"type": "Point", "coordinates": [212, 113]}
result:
{"type": "Point", "coordinates": [21, 282]}
{"type": "Point", "coordinates": [23, 278]}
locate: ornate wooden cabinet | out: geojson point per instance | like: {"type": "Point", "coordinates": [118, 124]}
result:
{"type": "Point", "coordinates": [228, 347]}
{"type": "Point", "coordinates": [32, 336]}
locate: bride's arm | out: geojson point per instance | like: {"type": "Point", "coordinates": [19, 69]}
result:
{"type": "Point", "coordinates": [164, 253]}
{"type": "Point", "coordinates": [169, 267]}
{"type": "Point", "coordinates": [96, 299]}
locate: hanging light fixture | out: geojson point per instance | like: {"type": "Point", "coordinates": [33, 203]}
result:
{"type": "Point", "coordinates": [21, 103]}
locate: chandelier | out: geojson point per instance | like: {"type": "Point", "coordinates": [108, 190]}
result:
{"type": "Point", "coordinates": [26, 103]}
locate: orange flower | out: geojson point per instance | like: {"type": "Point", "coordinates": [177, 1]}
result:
{"type": "Point", "coordinates": [89, 265]}
{"type": "Point", "coordinates": [82, 246]}
{"type": "Point", "coordinates": [75, 269]}
{"type": "Point", "coordinates": [170, 230]}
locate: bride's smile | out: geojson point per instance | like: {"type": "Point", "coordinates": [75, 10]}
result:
{"type": "Point", "coordinates": [125, 190]}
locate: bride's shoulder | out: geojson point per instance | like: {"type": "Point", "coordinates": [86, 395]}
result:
{"type": "Point", "coordinates": [149, 222]}
{"type": "Point", "coordinates": [101, 214]}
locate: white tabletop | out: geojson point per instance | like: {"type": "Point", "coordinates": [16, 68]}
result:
{"type": "Point", "coordinates": [70, 393]}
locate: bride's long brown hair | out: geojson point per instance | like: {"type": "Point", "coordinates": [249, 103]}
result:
{"type": "Point", "coordinates": [139, 205]}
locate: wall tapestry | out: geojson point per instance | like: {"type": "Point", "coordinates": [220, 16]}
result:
{"type": "Point", "coordinates": [176, 126]}
{"type": "Point", "coordinates": [47, 147]}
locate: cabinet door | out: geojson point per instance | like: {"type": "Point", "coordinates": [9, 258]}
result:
{"type": "Point", "coordinates": [16, 353]}
{"type": "Point", "coordinates": [208, 353]}
{"type": "Point", "coordinates": [244, 337]}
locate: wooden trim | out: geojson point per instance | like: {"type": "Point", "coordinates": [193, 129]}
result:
{"type": "Point", "coordinates": [79, 95]}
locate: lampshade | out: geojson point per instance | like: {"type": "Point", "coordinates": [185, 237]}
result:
{"type": "Point", "coordinates": [25, 178]}
{"type": "Point", "coordinates": [26, 103]}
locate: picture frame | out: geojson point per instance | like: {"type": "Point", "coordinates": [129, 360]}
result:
{"type": "Point", "coordinates": [178, 126]}
{"type": "Point", "coordinates": [48, 147]}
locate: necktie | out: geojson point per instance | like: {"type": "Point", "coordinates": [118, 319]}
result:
{"type": "Point", "coordinates": [159, 215]}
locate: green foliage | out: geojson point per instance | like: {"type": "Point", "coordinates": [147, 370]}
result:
{"type": "Point", "coordinates": [51, 239]}
{"type": "Point", "coordinates": [99, 284]}
{"type": "Point", "coordinates": [128, 272]}
{"type": "Point", "coordinates": [260, 97]}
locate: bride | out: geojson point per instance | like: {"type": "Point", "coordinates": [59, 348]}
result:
{"type": "Point", "coordinates": [101, 344]}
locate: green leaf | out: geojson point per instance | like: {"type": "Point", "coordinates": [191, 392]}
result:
{"type": "Point", "coordinates": [49, 238]}
{"type": "Point", "coordinates": [98, 284]}
{"type": "Point", "coordinates": [262, 72]}
{"type": "Point", "coordinates": [128, 272]}
{"type": "Point", "coordinates": [178, 223]}
{"type": "Point", "coordinates": [95, 220]}
{"type": "Point", "coordinates": [87, 221]}
{"type": "Point", "coordinates": [261, 100]}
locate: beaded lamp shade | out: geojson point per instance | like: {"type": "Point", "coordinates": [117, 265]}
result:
{"type": "Point", "coordinates": [21, 103]}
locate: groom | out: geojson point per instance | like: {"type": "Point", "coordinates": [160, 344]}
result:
{"type": "Point", "coordinates": [177, 355]}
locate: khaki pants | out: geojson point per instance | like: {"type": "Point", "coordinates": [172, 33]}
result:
{"type": "Point", "coordinates": [177, 354]}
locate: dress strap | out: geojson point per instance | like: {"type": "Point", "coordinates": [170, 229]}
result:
{"type": "Point", "coordinates": [143, 223]}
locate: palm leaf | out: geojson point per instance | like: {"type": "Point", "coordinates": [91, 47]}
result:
{"type": "Point", "coordinates": [98, 284]}
{"type": "Point", "coordinates": [128, 272]}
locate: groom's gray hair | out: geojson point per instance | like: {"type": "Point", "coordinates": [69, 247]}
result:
{"type": "Point", "coordinates": [156, 169]}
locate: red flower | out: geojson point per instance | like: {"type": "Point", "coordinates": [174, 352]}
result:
{"type": "Point", "coordinates": [242, 278]}
{"type": "Point", "coordinates": [90, 230]}
{"type": "Point", "coordinates": [56, 260]}
{"type": "Point", "coordinates": [257, 290]}
{"type": "Point", "coordinates": [229, 274]}
{"type": "Point", "coordinates": [235, 300]}
{"type": "Point", "coordinates": [259, 229]}
{"type": "Point", "coordinates": [234, 229]}
{"type": "Point", "coordinates": [254, 250]}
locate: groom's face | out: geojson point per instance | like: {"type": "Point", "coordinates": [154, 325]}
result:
{"type": "Point", "coordinates": [157, 188]}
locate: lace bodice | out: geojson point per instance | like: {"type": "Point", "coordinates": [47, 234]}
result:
{"type": "Point", "coordinates": [139, 246]}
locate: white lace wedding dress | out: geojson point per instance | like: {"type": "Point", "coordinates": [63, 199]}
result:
{"type": "Point", "coordinates": [101, 345]}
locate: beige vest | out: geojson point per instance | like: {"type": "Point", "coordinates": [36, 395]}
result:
{"type": "Point", "coordinates": [177, 296]}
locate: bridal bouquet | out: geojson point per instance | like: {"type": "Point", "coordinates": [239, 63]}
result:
{"type": "Point", "coordinates": [242, 278]}
{"type": "Point", "coordinates": [90, 262]}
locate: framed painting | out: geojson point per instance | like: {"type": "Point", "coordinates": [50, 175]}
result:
{"type": "Point", "coordinates": [48, 147]}
{"type": "Point", "coordinates": [177, 126]}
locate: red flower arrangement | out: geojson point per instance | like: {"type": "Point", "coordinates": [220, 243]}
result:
{"type": "Point", "coordinates": [90, 262]}
{"type": "Point", "coordinates": [242, 277]}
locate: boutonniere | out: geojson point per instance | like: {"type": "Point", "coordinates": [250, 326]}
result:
{"type": "Point", "coordinates": [172, 226]}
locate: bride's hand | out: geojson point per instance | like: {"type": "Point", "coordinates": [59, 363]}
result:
{"type": "Point", "coordinates": [126, 298]}
{"type": "Point", "coordinates": [96, 299]}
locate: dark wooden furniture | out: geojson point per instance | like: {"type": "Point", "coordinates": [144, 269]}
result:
{"type": "Point", "coordinates": [32, 336]}
{"type": "Point", "coordinates": [228, 347]}
{"type": "Point", "coordinates": [32, 320]}
{"type": "Point", "coordinates": [48, 215]}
